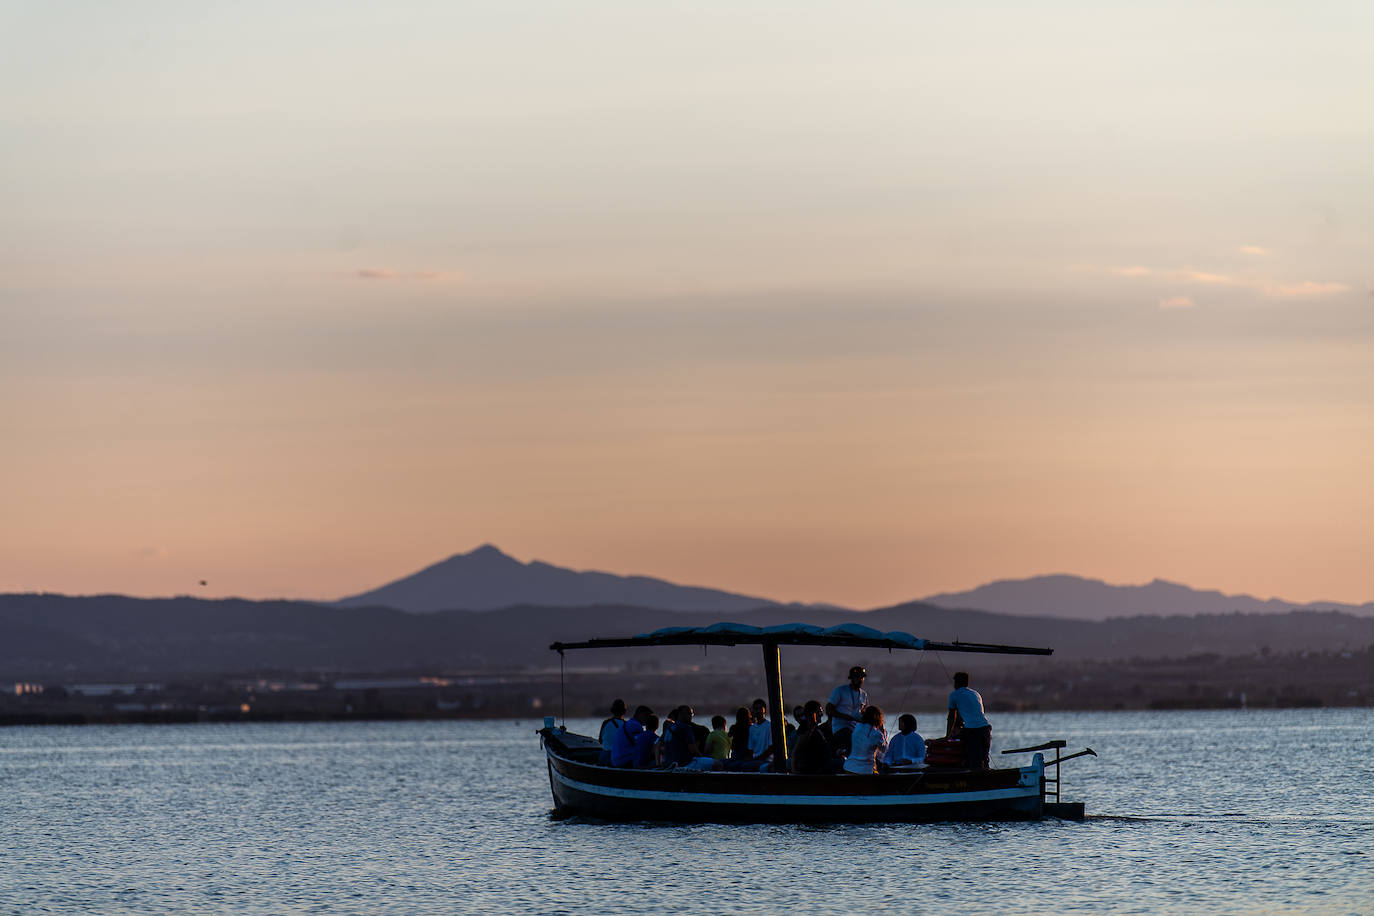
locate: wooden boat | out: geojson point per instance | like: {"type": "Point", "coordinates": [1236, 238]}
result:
{"type": "Point", "coordinates": [581, 787]}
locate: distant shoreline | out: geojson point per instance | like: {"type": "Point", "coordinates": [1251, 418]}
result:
{"type": "Point", "coordinates": [1294, 680]}
{"type": "Point", "coordinates": [190, 717]}
{"type": "Point", "coordinates": [711, 694]}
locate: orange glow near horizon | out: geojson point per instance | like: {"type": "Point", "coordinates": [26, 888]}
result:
{"type": "Point", "coordinates": [816, 320]}
{"type": "Point", "coordinates": [787, 488]}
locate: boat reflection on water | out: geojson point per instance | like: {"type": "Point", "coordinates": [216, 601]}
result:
{"type": "Point", "coordinates": [934, 793]}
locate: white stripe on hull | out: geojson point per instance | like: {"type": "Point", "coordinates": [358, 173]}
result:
{"type": "Point", "coordinates": [849, 801]}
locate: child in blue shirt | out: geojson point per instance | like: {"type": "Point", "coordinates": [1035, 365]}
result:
{"type": "Point", "coordinates": [644, 745]}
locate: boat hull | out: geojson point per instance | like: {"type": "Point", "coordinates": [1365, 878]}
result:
{"type": "Point", "coordinates": [584, 789]}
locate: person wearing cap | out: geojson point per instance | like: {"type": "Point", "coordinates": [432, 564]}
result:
{"type": "Point", "coordinates": [608, 729]}
{"type": "Point", "coordinates": [968, 721]}
{"type": "Point", "coordinates": [846, 706]}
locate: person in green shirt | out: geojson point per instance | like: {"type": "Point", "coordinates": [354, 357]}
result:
{"type": "Point", "coordinates": [718, 742]}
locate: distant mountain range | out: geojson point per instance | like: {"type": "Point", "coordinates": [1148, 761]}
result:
{"type": "Point", "coordinates": [60, 639]}
{"type": "Point", "coordinates": [1076, 598]}
{"type": "Point", "coordinates": [487, 579]}
{"type": "Point", "coordinates": [487, 611]}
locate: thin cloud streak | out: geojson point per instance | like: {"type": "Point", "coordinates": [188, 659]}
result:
{"type": "Point", "coordinates": [1307, 289]}
{"type": "Point", "coordinates": [1253, 250]}
{"type": "Point", "coordinates": [386, 273]}
{"type": "Point", "coordinates": [1206, 278]}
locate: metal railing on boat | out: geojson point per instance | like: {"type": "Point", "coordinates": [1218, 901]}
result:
{"type": "Point", "coordinates": [1056, 745]}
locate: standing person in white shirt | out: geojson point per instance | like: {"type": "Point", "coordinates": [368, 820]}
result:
{"type": "Point", "coordinates": [846, 706]}
{"type": "Point", "coordinates": [867, 743]}
{"type": "Point", "coordinates": [968, 722]}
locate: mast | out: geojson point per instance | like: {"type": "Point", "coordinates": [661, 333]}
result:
{"type": "Point", "coordinates": [772, 672]}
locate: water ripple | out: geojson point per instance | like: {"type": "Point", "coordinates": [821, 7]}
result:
{"type": "Point", "coordinates": [451, 817]}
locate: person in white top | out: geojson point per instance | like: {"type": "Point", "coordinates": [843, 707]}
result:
{"type": "Point", "coordinates": [867, 744]}
{"type": "Point", "coordinates": [846, 706]}
{"type": "Point", "coordinates": [760, 732]}
{"type": "Point", "coordinates": [906, 748]}
{"type": "Point", "coordinates": [969, 723]}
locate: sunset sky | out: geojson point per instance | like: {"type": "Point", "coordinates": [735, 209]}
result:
{"type": "Point", "coordinates": [826, 302]}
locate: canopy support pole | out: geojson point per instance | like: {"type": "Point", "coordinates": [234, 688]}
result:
{"type": "Point", "coordinates": [562, 695]}
{"type": "Point", "coordinates": [772, 671]}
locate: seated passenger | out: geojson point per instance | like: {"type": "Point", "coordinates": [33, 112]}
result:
{"type": "Point", "coordinates": [813, 754]}
{"type": "Point", "coordinates": [838, 737]}
{"type": "Point", "coordinates": [608, 729]}
{"type": "Point", "coordinates": [646, 745]}
{"type": "Point", "coordinates": [867, 743]}
{"type": "Point", "coordinates": [760, 732]}
{"type": "Point", "coordinates": [757, 752]}
{"type": "Point", "coordinates": [700, 733]}
{"type": "Point", "coordinates": [906, 748]}
{"type": "Point", "coordinates": [623, 744]}
{"type": "Point", "coordinates": [718, 742]}
{"type": "Point", "coordinates": [739, 735]}
{"type": "Point", "coordinates": [667, 723]}
{"type": "Point", "coordinates": [793, 732]}
{"type": "Point", "coordinates": [679, 739]}
{"type": "Point", "coordinates": [753, 753]}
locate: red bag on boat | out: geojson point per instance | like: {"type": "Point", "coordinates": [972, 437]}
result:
{"type": "Point", "coordinates": [945, 752]}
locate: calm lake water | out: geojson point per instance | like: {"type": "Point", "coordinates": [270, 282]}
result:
{"type": "Point", "coordinates": [1209, 812]}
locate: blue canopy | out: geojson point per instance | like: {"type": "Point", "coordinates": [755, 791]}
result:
{"type": "Point", "coordinates": [794, 634]}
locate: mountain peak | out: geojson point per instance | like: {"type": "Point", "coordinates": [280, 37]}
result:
{"type": "Point", "coordinates": [486, 552]}
{"type": "Point", "coordinates": [487, 579]}
{"type": "Point", "coordinates": [487, 559]}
